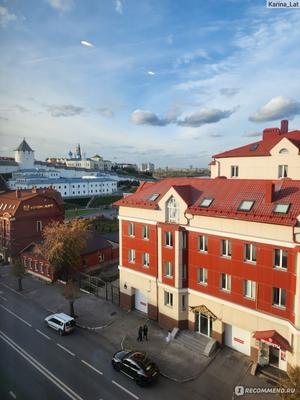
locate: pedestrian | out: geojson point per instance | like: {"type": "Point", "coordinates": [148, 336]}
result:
{"type": "Point", "coordinates": [145, 332]}
{"type": "Point", "coordinates": [140, 334]}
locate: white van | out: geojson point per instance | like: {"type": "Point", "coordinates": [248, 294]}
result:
{"type": "Point", "coordinates": [61, 322]}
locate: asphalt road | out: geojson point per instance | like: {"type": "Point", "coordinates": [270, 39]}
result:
{"type": "Point", "coordinates": [37, 363]}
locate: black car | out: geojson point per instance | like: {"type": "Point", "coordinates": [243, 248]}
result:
{"type": "Point", "coordinates": [136, 365]}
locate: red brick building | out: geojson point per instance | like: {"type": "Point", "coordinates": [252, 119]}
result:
{"type": "Point", "coordinates": [98, 253]}
{"type": "Point", "coordinates": [23, 215]}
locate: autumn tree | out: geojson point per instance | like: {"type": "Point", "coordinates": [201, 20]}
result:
{"type": "Point", "coordinates": [62, 247]}
{"type": "Point", "coordinates": [18, 271]}
{"type": "Point", "coordinates": [291, 384]}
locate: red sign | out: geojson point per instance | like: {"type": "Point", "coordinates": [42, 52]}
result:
{"type": "Point", "coordinates": [143, 303]}
{"type": "Point", "coordinates": [238, 340]}
{"type": "Point", "coordinates": [270, 342]}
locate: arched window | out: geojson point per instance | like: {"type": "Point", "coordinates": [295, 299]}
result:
{"type": "Point", "coordinates": [172, 210]}
{"type": "Point", "coordinates": [283, 151]}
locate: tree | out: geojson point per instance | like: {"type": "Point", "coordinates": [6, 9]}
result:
{"type": "Point", "coordinates": [62, 247]}
{"type": "Point", "coordinates": [291, 384]}
{"type": "Point", "coordinates": [18, 271]}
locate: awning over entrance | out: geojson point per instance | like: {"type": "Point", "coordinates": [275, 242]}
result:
{"type": "Point", "coordinates": [273, 338]}
{"type": "Point", "coordinates": [204, 310]}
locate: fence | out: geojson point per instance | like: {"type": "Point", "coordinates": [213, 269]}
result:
{"type": "Point", "coordinates": [99, 287]}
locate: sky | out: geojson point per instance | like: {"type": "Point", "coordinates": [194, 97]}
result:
{"type": "Point", "coordinates": [165, 81]}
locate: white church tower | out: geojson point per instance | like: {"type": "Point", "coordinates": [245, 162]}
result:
{"type": "Point", "coordinates": [24, 155]}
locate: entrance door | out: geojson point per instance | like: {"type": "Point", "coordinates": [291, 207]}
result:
{"type": "Point", "coordinates": [203, 324]}
{"type": "Point", "coordinates": [273, 356]}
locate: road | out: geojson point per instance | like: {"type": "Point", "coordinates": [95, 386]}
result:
{"type": "Point", "coordinates": [37, 363]}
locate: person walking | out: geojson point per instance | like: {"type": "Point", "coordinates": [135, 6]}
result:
{"type": "Point", "coordinates": [140, 334]}
{"type": "Point", "coordinates": [145, 332]}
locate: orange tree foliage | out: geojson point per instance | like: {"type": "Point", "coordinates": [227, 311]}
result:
{"type": "Point", "coordinates": [63, 244]}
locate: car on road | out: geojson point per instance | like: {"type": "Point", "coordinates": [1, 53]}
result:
{"type": "Point", "coordinates": [61, 322]}
{"type": "Point", "coordinates": [136, 365]}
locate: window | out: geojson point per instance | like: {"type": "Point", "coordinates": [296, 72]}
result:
{"type": "Point", "coordinates": [183, 272]}
{"type": "Point", "coordinates": [131, 256]}
{"type": "Point", "coordinates": [41, 268]}
{"type": "Point", "coordinates": [36, 266]}
{"type": "Point", "coordinates": [131, 229]}
{"type": "Point", "coordinates": [39, 226]}
{"type": "Point", "coordinates": [172, 210]}
{"type": "Point", "coordinates": [101, 258]}
{"type": "Point", "coordinates": [184, 240]}
{"type": "Point", "coordinates": [29, 263]}
{"type": "Point", "coordinates": [168, 299]}
{"type": "Point", "coordinates": [168, 239]}
{"type": "Point", "coordinates": [246, 205]}
{"type": "Point", "coordinates": [280, 258]}
{"type": "Point", "coordinates": [250, 252]}
{"type": "Point", "coordinates": [281, 208]}
{"type": "Point", "coordinates": [254, 146]}
{"type": "Point", "coordinates": [202, 276]}
{"type": "Point", "coordinates": [234, 171]}
{"type": "Point", "coordinates": [153, 197]}
{"type": "Point", "coordinates": [145, 232]}
{"type": "Point", "coordinates": [250, 289]}
{"type": "Point", "coordinates": [225, 282]}
{"type": "Point", "coordinates": [168, 269]}
{"type": "Point", "coordinates": [279, 297]}
{"type": "Point", "coordinates": [183, 302]}
{"type": "Point", "coordinates": [283, 151]}
{"type": "Point", "coordinates": [282, 171]}
{"type": "Point", "coordinates": [146, 259]}
{"type": "Point", "coordinates": [202, 243]}
{"type": "Point", "coordinates": [206, 202]}
{"type": "Point", "coordinates": [226, 248]}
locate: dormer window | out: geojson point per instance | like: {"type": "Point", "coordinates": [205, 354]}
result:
{"type": "Point", "coordinates": [283, 151]}
{"type": "Point", "coordinates": [206, 202]}
{"type": "Point", "coordinates": [281, 208]}
{"type": "Point", "coordinates": [246, 205]}
{"type": "Point", "coordinates": [153, 197]}
{"type": "Point", "coordinates": [172, 210]}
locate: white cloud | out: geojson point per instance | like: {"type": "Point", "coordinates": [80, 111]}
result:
{"type": "Point", "coordinates": [105, 112]}
{"type": "Point", "coordinates": [252, 134]}
{"type": "Point", "coordinates": [151, 73]}
{"type": "Point", "coordinates": [229, 92]}
{"type": "Point", "coordinates": [86, 43]}
{"type": "Point", "coordinates": [6, 17]}
{"type": "Point", "coordinates": [205, 116]}
{"type": "Point", "coordinates": [277, 108]}
{"type": "Point", "coordinates": [119, 6]}
{"type": "Point", "coordinates": [61, 5]}
{"type": "Point", "coordinates": [190, 57]}
{"type": "Point", "coordinates": [67, 110]}
{"type": "Point", "coordinates": [144, 117]}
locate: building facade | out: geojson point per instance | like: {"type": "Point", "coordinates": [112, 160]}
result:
{"type": "Point", "coordinates": [219, 257]}
{"type": "Point", "coordinates": [23, 215]}
{"type": "Point", "coordinates": [275, 156]}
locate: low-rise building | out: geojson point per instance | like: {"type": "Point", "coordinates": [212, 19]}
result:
{"type": "Point", "coordinates": [220, 257]}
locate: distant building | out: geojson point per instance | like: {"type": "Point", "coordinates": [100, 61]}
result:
{"type": "Point", "coordinates": [147, 167]}
{"type": "Point", "coordinates": [127, 166]}
{"type": "Point", "coordinates": [24, 155]}
{"type": "Point", "coordinates": [23, 215]}
{"type": "Point", "coordinates": [276, 155]}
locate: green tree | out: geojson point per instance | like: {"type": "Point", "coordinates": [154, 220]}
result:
{"type": "Point", "coordinates": [291, 383]}
{"type": "Point", "coordinates": [18, 271]}
{"type": "Point", "coordinates": [71, 293]}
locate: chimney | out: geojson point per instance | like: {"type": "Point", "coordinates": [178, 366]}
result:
{"type": "Point", "coordinates": [284, 126]}
{"type": "Point", "coordinates": [269, 192]}
{"type": "Point", "coordinates": [270, 133]}
{"type": "Point", "coordinates": [17, 193]}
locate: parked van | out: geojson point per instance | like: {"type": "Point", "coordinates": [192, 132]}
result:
{"type": "Point", "coordinates": [61, 322]}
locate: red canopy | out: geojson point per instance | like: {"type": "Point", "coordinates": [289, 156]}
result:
{"type": "Point", "coordinates": [272, 337]}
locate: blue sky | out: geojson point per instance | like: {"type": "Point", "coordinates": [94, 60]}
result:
{"type": "Point", "coordinates": [166, 81]}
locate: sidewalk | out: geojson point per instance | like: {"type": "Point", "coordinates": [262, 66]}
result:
{"type": "Point", "coordinates": [117, 326]}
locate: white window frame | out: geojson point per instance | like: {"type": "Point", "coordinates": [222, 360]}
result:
{"type": "Point", "coordinates": [131, 229]}
{"type": "Point", "coordinates": [168, 299]}
{"type": "Point", "coordinates": [202, 275]}
{"type": "Point", "coordinates": [172, 210]}
{"type": "Point", "coordinates": [283, 171]}
{"type": "Point", "coordinates": [203, 244]}
{"type": "Point", "coordinates": [145, 232]}
{"type": "Point", "coordinates": [183, 302]}
{"type": "Point", "coordinates": [250, 289]}
{"type": "Point", "coordinates": [131, 256]}
{"type": "Point", "coordinates": [280, 266]}
{"type": "Point", "coordinates": [146, 260]}
{"type": "Point", "coordinates": [280, 297]}
{"type": "Point", "coordinates": [168, 239]}
{"type": "Point", "coordinates": [168, 269]}
{"type": "Point", "coordinates": [228, 248]}
{"type": "Point", "coordinates": [227, 287]}
{"type": "Point", "coordinates": [234, 171]}
{"type": "Point", "coordinates": [252, 253]}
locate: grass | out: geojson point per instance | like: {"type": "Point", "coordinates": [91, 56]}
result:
{"type": "Point", "coordinates": [105, 200]}
{"type": "Point", "coordinates": [79, 213]}
{"type": "Point", "coordinates": [105, 225]}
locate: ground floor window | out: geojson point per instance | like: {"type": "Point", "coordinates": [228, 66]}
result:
{"type": "Point", "coordinates": [168, 299]}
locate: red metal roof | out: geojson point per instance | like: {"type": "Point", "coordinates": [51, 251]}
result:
{"type": "Point", "coordinates": [272, 337]}
{"type": "Point", "coordinates": [263, 146]}
{"type": "Point", "coordinates": [228, 195]}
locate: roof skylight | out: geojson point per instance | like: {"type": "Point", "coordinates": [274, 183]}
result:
{"type": "Point", "coordinates": [254, 146]}
{"type": "Point", "coordinates": [281, 208]}
{"type": "Point", "coordinates": [246, 205]}
{"type": "Point", "coordinates": [153, 197]}
{"type": "Point", "coordinates": [206, 202]}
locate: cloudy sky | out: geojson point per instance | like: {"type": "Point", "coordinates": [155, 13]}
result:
{"type": "Point", "coordinates": [167, 81]}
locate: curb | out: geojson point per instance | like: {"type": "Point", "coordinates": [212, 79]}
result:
{"type": "Point", "coordinates": [91, 328]}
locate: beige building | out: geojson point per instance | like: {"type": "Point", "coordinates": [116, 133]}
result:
{"type": "Point", "coordinates": [275, 156]}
